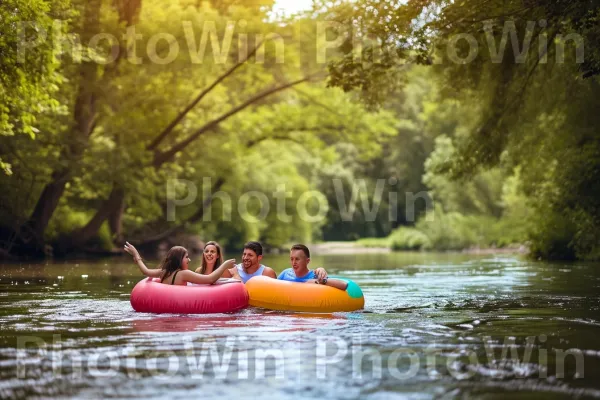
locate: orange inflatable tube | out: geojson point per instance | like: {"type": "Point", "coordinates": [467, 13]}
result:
{"type": "Point", "coordinates": [274, 294]}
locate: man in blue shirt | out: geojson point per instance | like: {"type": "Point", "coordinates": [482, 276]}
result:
{"type": "Point", "coordinates": [299, 258]}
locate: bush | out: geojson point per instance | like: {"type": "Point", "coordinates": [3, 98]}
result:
{"type": "Point", "coordinates": [551, 237]}
{"type": "Point", "coordinates": [449, 231]}
{"type": "Point", "coordinates": [453, 231]}
{"type": "Point", "coordinates": [65, 220]}
{"type": "Point", "coordinates": [374, 242]}
{"type": "Point", "coordinates": [405, 238]}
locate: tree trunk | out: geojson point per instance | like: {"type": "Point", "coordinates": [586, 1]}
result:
{"type": "Point", "coordinates": [152, 240]}
{"type": "Point", "coordinates": [115, 222]}
{"type": "Point", "coordinates": [76, 140]}
{"type": "Point", "coordinates": [80, 237]}
{"type": "Point", "coordinates": [32, 233]}
{"type": "Point", "coordinates": [128, 11]}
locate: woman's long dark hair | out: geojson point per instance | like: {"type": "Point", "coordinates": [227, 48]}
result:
{"type": "Point", "coordinates": [218, 261]}
{"type": "Point", "coordinates": [172, 261]}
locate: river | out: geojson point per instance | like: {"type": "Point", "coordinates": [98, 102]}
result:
{"type": "Point", "coordinates": [434, 326]}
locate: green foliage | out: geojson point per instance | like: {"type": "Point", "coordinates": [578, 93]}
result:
{"type": "Point", "coordinates": [405, 238]}
{"type": "Point", "coordinates": [507, 150]}
{"type": "Point", "coordinates": [536, 114]}
{"type": "Point", "coordinates": [480, 194]}
{"type": "Point", "coordinates": [29, 70]}
{"type": "Point", "coordinates": [66, 220]}
{"type": "Point", "coordinates": [420, 116]}
{"type": "Point", "coordinates": [552, 236]}
{"type": "Point", "coordinates": [374, 242]}
{"type": "Point", "coordinates": [518, 216]}
{"type": "Point", "coordinates": [455, 231]}
{"type": "Point", "coordinates": [284, 138]}
{"type": "Point", "coordinates": [451, 231]}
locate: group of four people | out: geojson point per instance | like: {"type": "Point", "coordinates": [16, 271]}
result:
{"type": "Point", "coordinates": [174, 268]}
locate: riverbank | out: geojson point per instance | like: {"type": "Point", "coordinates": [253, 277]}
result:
{"type": "Point", "coordinates": [378, 246]}
{"type": "Point", "coordinates": [345, 248]}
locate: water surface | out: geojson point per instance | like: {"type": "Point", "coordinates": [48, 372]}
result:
{"type": "Point", "coordinates": [434, 326]}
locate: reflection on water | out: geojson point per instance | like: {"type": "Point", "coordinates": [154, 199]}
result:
{"type": "Point", "coordinates": [237, 323]}
{"type": "Point", "coordinates": [433, 326]}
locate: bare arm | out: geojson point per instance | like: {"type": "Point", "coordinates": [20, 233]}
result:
{"type": "Point", "coordinates": [321, 276]}
{"type": "Point", "coordinates": [152, 273]}
{"type": "Point", "coordinates": [190, 276]}
{"type": "Point", "coordinates": [335, 283]}
{"type": "Point", "coordinates": [270, 273]}
{"type": "Point", "coordinates": [226, 274]}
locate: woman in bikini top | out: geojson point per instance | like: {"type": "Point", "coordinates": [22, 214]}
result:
{"type": "Point", "coordinates": [175, 267]}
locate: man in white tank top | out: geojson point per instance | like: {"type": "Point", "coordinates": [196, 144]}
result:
{"type": "Point", "coordinates": [250, 266]}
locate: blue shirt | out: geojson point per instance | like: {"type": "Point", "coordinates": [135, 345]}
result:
{"type": "Point", "coordinates": [290, 275]}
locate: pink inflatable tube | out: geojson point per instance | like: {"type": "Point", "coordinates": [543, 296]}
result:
{"type": "Point", "coordinates": [155, 297]}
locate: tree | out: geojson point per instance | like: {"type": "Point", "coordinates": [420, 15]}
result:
{"type": "Point", "coordinates": [28, 73]}
{"type": "Point", "coordinates": [531, 83]}
{"type": "Point", "coordinates": [129, 125]}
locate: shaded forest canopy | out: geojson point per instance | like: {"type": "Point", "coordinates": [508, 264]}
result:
{"type": "Point", "coordinates": [451, 124]}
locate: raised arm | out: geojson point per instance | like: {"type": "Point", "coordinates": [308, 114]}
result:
{"type": "Point", "coordinates": [152, 273]}
{"type": "Point", "coordinates": [190, 276]}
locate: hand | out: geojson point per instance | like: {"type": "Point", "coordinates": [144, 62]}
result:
{"type": "Point", "coordinates": [320, 274]}
{"type": "Point", "coordinates": [234, 273]}
{"type": "Point", "coordinates": [131, 250]}
{"type": "Point", "coordinates": [230, 263]}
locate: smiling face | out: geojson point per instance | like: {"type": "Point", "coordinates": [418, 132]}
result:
{"type": "Point", "coordinates": [250, 259]}
{"type": "Point", "coordinates": [210, 254]}
{"type": "Point", "coordinates": [299, 262]}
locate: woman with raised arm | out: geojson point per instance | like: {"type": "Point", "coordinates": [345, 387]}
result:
{"type": "Point", "coordinates": [174, 268]}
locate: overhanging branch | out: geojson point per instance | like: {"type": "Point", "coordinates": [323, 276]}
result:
{"type": "Point", "coordinates": [156, 141]}
{"type": "Point", "coordinates": [161, 157]}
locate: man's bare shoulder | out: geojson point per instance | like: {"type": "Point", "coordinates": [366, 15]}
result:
{"type": "Point", "coordinates": [269, 272]}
